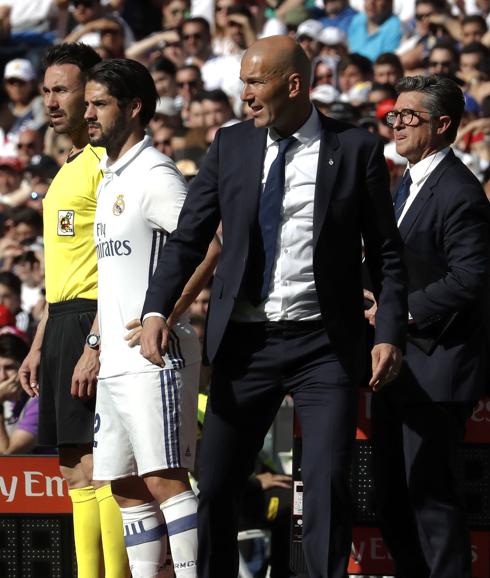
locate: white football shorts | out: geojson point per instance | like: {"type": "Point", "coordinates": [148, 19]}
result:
{"type": "Point", "coordinates": [145, 422]}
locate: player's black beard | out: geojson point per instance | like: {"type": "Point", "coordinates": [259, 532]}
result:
{"type": "Point", "coordinates": [112, 137]}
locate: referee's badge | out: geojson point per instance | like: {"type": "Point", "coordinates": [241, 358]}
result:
{"type": "Point", "coordinates": [66, 223]}
{"type": "Point", "coordinates": [119, 206]}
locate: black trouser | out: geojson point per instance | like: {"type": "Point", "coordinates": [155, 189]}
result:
{"type": "Point", "coordinates": [256, 366]}
{"type": "Point", "coordinates": [416, 469]}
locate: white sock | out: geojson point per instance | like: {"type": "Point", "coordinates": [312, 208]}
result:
{"type": "Point", "coordinates": [145, 539]}
{"type": "Point", "coordinates": [180, 514]}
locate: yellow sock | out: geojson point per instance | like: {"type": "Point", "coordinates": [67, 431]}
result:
{"type": "Point", "coordinates": [86, 528]}
{"type": "Point", "coordinates": [115, 557]}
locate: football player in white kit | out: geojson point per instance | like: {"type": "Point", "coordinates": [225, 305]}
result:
{"type": "Point", "coordinates": [145, 423]}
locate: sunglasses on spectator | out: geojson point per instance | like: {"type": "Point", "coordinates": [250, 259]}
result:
{"type": "Point", "coordinates": [162, 142]}
{"type": "Point", "coordinates": [421, 16]}
{"type": "Point", "coordinates": [26, 145]}
{"type": "Point", "coordinates": [407, 116]}
{"type": "Point", "coordinates": [195, 35]}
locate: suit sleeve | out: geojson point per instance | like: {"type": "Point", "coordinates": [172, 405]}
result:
{"type": "Point", "coordinates": [465, 244]}
{"type": "Point", "coordinates": [383, 251]}
{"type": "Point", "coordinates": [187, 245]}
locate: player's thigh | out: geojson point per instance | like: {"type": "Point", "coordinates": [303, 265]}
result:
{"type": "Point", "coordinates": [113, 453]}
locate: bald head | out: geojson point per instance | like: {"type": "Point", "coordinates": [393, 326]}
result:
{"type": "Point", "coordinates": [282, 56]}
{"type": "Point", "coordinates": [276, 76]}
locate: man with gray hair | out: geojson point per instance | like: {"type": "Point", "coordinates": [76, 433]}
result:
{"type": "Point", "coordinates": [419, 421]}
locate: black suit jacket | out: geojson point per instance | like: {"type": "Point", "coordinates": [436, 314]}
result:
{"type": "Point", "coordinates": [446, 248]}
{"type": "Point", "coordinates": [351, 199]}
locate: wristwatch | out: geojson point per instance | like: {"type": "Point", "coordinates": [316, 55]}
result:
{"type": "Point", "coordinates": [93, 340]}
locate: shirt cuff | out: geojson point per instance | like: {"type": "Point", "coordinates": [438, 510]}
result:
{"type": "Point", "coordinates": [154, 314]}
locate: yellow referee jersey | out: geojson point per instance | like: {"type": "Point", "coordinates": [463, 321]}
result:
{"type": "Point", "coordinates": [69, 210]}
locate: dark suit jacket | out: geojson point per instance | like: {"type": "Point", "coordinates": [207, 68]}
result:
{"type": "Point", "coordinates": [351, 198]}
{"type": "Point", "coordinates": [446, 237]}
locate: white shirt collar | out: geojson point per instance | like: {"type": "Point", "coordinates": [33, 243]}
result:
{"type": "Point", "coordinates": [127, 157]}
{"type": "Point", "coordinates": [420, 171]}
{"type": "Point", "coordinates": [305, 134]}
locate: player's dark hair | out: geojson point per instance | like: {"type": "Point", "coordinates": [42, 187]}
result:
{"type": "Point", "coordinates": [126, 80]}
{"type": "Point", "coordinates": [442, 96]}
{"type": "Point", "coordinates": [77, 53]}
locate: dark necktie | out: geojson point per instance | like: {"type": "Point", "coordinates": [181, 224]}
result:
{"type": "Point", "coordinates": [401, 195]}
{"type": "Point", "coordinates": [268, 220]}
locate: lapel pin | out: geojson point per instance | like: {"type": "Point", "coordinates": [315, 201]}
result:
{"type": "Point", "coordinates": [330, 162]}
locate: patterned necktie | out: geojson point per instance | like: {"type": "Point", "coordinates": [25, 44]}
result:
{"type": "Point", "coordinates": [269, 216]}
{"type": "Point", "coordinates": [402, 194]}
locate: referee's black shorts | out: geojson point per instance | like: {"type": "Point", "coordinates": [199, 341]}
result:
{"type": "Point", "coordinates": [64, 420]}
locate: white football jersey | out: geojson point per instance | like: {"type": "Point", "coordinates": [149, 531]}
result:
{"type": "Point", "coordinates": [138, 205]}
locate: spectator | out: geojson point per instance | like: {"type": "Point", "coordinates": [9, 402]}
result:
{"type": "Point", "coordinates": [332, 42]}
{"type": "Point", "coordinates": [25, 102]}
{"type": "Point", "coordinates": [376, 31]}
{"type": "Point", "coordinates": [174, 13]}
{"type": "Point", "coordinates": [23, 225]}
{"type": "Point", "coordinates": [415, 46]}
{"type": "Point", "coordinates": [163, 72]}
{"type": "Point", "coordinates": [222, 44]}
{"type": "Point", "coordinates": [338, 13]}
{"type": "Point", "coordinates": [18, 429]}
{"type": "Point", "coordinates": [380, 92]}
{"type": "Point", "coordinates": [471, 55]}
{"type": "Point", "coordinates": [323, 96]}
{"type": "Point", "coordinates": [196, 41]}
{"type": "Point", "coordinates": [162, 140]}
{"type": "Point", "coordinates": [196, 113]}
{"type": "Point", "coordinates": [240, 27]}
{"type": "Point", "coordinates": [324, 71]}
{"type": "Point", "coordinates": [189, 84]}
{"type": "Point", "coordinates": [94, 21]}
{"type": "Point", "coordinates": [112, 38]}
{"type": "Point", "coordinates": [473, 29]}
{"type": "Point", "coordinates": [217, 109]}
{"type": "Point", "coordinates": [29, 144]}
{"type": "Point", "coordinates": [10, 297]}
{"type": "Point", "coordinates": [388, 68]}
{"type": "Point", "coordinates": [307, 37]}
{"type": "Point", "coordinates": [355, 73]}
{"type": "Point", "coordinates": [443, 59]}
{"type": "Point", "coordinates": [199, 307]}
{"type": "Point", "coordinates": [28, 269]}
{"type": "Point", "coordinates": [10, 177]}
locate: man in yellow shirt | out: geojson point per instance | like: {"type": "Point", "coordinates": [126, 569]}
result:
{"type": "Point", "coordinates": [63, 362]}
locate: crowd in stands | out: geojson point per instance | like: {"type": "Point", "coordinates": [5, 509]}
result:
{"type": "Point", "coordinates": [193, 51]}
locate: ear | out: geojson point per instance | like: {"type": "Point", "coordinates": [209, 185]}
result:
{"type": "Point", "coordinates": [294, 82]}
{"type": "Point", "coordinates": [443, 124]}
{"type": "Point", "coordinates": [135, 107]}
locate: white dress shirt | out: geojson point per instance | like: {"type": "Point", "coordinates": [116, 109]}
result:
{"type": "Point", "coordinates": [292, 293]}
{"type": "Point", "coordinates": [420, 172]}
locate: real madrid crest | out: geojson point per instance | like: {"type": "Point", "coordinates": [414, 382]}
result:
{"type": "Point", "coordinates": [119, 206]}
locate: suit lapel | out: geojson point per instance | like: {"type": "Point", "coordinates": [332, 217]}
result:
{"type": "Point", "coordinates": [328, 166]}
{"type": "Point", "coordinates": [252, 166]}
{"type": "Point", "coordinates": [423, 196]}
